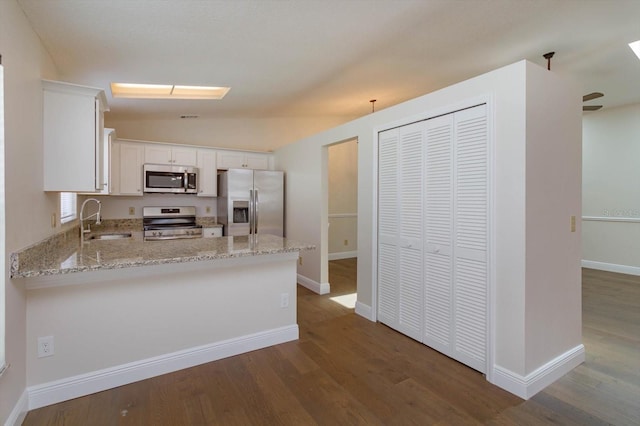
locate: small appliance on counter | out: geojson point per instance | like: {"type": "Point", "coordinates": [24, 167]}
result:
{"type": "Point", "coordinates": [251, 202]}
{"type": "Point", "coordinates": [170, 223]}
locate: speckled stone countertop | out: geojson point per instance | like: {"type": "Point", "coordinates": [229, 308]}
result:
{"type": "Point", "coordinates": [66, 254]}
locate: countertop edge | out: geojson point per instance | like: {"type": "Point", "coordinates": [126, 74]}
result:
{"type": "Point", "coordinates": [96, 275]}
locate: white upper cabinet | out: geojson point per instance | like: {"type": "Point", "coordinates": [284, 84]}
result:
{"type": "Point", "coordinates": [73, 135]}
{"type": "Point", "coordinates": [243, 160]}
{"type": "Point", "coordinates": [170, 154]}
{"type": "Point", "coordinates": [109, 138]}
{"type": "Point", "coordinates": [126, 168]}
{"type": "Point", "coordinates": [207, 173]}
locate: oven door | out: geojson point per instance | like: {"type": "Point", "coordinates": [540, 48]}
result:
{"type": "Point", "coordinates": [172, 179]}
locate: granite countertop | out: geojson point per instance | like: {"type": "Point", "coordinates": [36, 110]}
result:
{"type": "Point", "coordinates": [66, 254]}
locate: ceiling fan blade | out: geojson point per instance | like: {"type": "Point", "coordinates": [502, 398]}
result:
{"type": "Point", "coordinates": [591, 107]}
{"type": "Point", "coordinates": [592, 96]}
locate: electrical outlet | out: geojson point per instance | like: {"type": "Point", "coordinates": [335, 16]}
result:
{"type": "Point", "coordinates": [300, 260]}
{"type": "Point", "coordinates": [132, 211]}
{"type": "Point", "coordinates": [53, 220]}
{"type": "Point", "coordinates": [284, 300]}
{"type": "Point", "coordinates": [45, 346]}
{"type": "Point", "coordinates": [346, 242]}
{"type": "Point", "coordinates": [573, 224]}
{"type": "Point", "coordinates": [208, 209]}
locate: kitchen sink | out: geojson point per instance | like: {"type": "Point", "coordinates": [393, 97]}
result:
{"type": "Point", "coordinates": [110, 236]}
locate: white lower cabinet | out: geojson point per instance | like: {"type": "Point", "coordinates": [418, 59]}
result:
{"type": "Point", "coordinates": [433, 216]}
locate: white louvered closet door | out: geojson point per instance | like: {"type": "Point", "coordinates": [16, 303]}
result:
{"type": "Point", "coordinates": [400, 273]}
{"type": "Point", "coordinates": [456, 233]}
{"type": "Point", "coordinates": [388, 267]}
{"type": "Point", "coordinates": [411, 230]}
{"type": "Point", "coordinates": [433, 214]}
{"type": "Point", "coordinates": [471, 224]}
{"type": "Point", "coordinates": [438, 218]}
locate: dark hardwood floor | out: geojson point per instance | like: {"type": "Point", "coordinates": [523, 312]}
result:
{"type": "Point", "coordinates": [345, 370]}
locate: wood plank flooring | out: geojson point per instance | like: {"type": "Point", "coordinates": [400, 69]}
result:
{"type": "Point", "coordinates": [345, 370]}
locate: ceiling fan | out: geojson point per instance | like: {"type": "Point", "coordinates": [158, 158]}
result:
{"type": "Point", "coordinates": [589, 97]}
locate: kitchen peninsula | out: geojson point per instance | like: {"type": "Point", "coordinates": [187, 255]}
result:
{"type": "Point", "coordinates": [122, 310]}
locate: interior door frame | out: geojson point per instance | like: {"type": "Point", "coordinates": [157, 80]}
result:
{"type": "Point", "coordinates": [488, 100]}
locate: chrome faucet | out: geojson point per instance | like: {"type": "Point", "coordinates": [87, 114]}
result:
{"type": "Point", "coordinates": [82, 218]}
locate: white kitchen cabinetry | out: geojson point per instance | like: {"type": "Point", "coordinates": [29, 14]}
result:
{"type": "Point", "coordinates": [170, 154]}
{"type": "Point", "coordinates": [207, 173]}
{"type": "Point", "coordinates": [242, 160]}
{"type": "Point", "coordinates": [126, 169]}
{"type": "Point", "coordinates": [433, 238]}
{"type": "Point", "coordinates": [109, 138]}
{"type": "Point", "coordinates": [73, 126]}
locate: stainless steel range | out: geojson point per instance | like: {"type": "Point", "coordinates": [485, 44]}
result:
{"type": "Point", "coordinates": [170, 223]}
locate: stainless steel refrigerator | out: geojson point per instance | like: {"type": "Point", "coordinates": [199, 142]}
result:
{"type": "Point", "coordinates": [251, 202]}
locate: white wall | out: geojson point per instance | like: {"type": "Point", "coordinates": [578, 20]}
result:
{"type": "Point", "coordinates": [28, 208]}
{"type": "Point", "coordinates": [611, 189]}
{"type": "Point", "coordinates": [257, 134]}
{"type": "Point", "coordinates": [343, 199]}
{"type": "Point", "coordinates": [117, 207]}
{"type": "Point", "coordinates": [510, 97]}
{"type": "Point", "coordinates": [553, 196]}
{"type": "Point", "coordinates": [146, 312]}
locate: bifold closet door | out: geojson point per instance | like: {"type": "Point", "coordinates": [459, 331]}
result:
{"type": "Point", "coordinates": [456, 223]}
{"type": "Point", "coordinates": [433, 233]}
{"type": "Point", "coordinates": [400, 224]}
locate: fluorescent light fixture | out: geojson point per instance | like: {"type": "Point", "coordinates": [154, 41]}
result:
{"type": "Point", "coordinates": [635, 46]}
{"type": "Point", "coordinates": [166, 91]}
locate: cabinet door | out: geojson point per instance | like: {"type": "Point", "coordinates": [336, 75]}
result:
{"type": "Point", "coordinates": [257, 162]}
{"type": "Point", "coordinates": [207, 173]}
{"type": "Point", "coordinates": [184, 156]}
{"type": "Point", "coordinates": [157, 154]}
{"type": "Point", "coordinates": [131, 160]}
{"type": "Point", "coordinates": [230, 160]}
{"type": "Point", "coordinates": [70, 133]}
{"type": "Point", "coordinates": [109, 136]}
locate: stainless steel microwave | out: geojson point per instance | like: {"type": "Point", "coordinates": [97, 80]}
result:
{"type": "Point", "coordinates": [170, 178]}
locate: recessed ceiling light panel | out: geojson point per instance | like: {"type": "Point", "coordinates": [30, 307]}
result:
{"type": "Point", "coordinates": [635, 46]}
{"type": "Point", "coordinates": [166, 91]}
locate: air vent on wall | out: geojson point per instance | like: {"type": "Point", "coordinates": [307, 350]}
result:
{"type": "Point", "coordinates": [189, 116]}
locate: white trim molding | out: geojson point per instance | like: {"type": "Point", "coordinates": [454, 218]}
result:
{"type": "Point", "coordinates": [343, 255]}
{"type": "Point", "coordinates": [96, 381]}
{"type": "Point", "coordinates": [527, 386]}
{"type": "Point", "coordinates": [364, 311]}
{"type": "Point", "coordinates": [19, 412]}
{"type": "Point", "coordinates": [611, 267]}
{"type": "Point", "coordinates": [342, 215]}
{"type": "Point", "coordinates": [611, 219]}
{"type": "Point", "coordinates": [314, 286]}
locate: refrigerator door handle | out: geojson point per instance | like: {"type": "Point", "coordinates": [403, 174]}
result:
{"type": "Point", "coordinates": [251, 213]}
{"type": "Point", "coordinates": [255, 211]}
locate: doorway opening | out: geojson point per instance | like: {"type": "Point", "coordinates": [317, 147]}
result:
{"type": "Point", "coordinates": [342, 240]}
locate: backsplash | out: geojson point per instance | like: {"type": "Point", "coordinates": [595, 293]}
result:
{"type": "Point", "coordinates": [117, 207]}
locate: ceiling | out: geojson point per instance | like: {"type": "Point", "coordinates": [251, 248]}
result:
{"type": "Point", "coordinates": [306, 58]}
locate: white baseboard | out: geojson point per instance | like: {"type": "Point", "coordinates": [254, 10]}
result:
{"type": "Point", "coordinates": [343, 255]}
{"type": "Point", "coordinates": [527, 386]}
{"type": "Point", "coordinates": [611, 267]}
{"type": "Point", "coordinates": [19, 412]}
{"type": "Point", "coordinates": [96, 381]}
{"type": "Point", "coordinates": [364, 311]}
{"type": "Point", "coordinates": [314, 286]}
